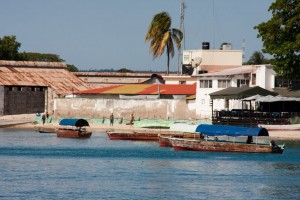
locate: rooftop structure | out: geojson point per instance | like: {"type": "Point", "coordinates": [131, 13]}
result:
{"type": "Point", "coordinates": [47, 74]}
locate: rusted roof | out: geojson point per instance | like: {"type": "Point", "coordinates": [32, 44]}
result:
{"type": "Point", "coordinates": [112, 74]}
{"type": "Point", "coordinates": [144, 89]}
{"type": "Point", "coordinates": [232, 71]}
{"type": "Point", "coordinates": [50, 74]}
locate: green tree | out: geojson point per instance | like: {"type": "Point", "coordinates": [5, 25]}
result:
{"type": "Point", "coordinates": [72, 68]}
{"type": "Point", "coordinates": [162, 36]}
{"type": "Point", "coordinates": [281, 37]}
{"type": "Point", "coordinates": [257, 58]}
{"type": "Point", "coordinates": [9, 48]}
{"type": "Point", "coordinates": [124, 70]}
{"type": "Point", "coordinates": [31, 56]}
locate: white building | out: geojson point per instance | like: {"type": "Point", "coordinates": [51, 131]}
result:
{"type": "Point", "coordinates": [251, 75]}
{"type": "Point", "coordinates": [215, 70]}
{"type": "Point", "coordinates": [206, 60]}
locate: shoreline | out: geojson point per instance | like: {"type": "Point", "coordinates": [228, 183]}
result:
{"type": "Point", "coordinates": [291, 135]}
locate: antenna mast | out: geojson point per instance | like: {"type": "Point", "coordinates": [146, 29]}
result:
{"type": "Point", "coordinates": [243, 47]}
{"type": "Point", "coordinates": [182, 7]}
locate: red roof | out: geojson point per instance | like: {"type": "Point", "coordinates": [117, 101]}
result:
{"type": "Point", "coordinates": [144, 89]}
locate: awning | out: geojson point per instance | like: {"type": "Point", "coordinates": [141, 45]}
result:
{"type": "Point", "coordinates": [73, 122]}
{"type": "Point", "coordinates": [252, 98]}
{"type": "Point", "coordinates": [270, 98]}
{"type": "Point", "coordinates": [240, 92]}
{"type": "Point", "coordinates": [215, 130]}
{"type": "Point", "coordinates": [183, 127]}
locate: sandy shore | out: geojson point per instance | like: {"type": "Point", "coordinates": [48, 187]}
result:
{"type": "Point", "coordinates": [275, 134]}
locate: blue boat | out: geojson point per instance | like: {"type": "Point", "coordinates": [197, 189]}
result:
{"type": "Point", "coordinates": [73, 128]}
{"type": "Point", "coordinates": [242, 142]}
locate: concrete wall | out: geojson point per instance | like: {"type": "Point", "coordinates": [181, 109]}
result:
{"type": "Point", "coordinates": [98, 108]}
{"type": "Point", "coordinates": [214, 57]}
{"type": "Point", "coordinates": [265, 77]}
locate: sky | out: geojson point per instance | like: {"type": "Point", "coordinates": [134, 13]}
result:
{"type": "Point", "coordinates": [110, 34]}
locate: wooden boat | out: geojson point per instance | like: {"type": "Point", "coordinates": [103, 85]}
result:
{"type": "Point", "coordinates": [41, 129]}
{"type": "Point", "coordinates": [132, 136]}
{"type": "Point", "coordinates": [165, 142]}
{"type": "Point", "coordinates": [216, 145]}
{"type": "Point", "coordinates": [73, 128]}
{"type": "Point", "coordinates": [140, 135]}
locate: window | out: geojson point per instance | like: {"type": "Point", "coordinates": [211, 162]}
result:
{"type": "Point", "coordinates": [182, 82]}
{"type": "Point", "coordinates": [205, 83]}
{"type": "Point", "coordinates": [19, 88]}
{"type": "Point", "coordinates": [223, 83]}
{"type": "Point", "coordinates": [242, 82]}
{"type": "Point", "coordinates": [186, 57]}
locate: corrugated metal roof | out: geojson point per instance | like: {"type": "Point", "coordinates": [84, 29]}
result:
{"type": "Point", "coordinates": [240, 92]}
{"type": "Point", "coordinates": [145, 89]}
{"type": "Point", "coordinates": [50, 74]}
{"type": "Point", "coordinates": [228, 72]}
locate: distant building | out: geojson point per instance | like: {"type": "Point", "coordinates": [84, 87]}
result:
{"type": "Point", "coordinates": [30, 87]}
{"type": "Point", "coordinates": [105, 79]}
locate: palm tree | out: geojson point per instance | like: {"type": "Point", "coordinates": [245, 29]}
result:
{"type": "Point", "coordinates": [257, 58]}
{"type": "Point", "coordinates": [162, 36]}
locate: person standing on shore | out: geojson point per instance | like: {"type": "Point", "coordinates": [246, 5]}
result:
{"type": "Point", "coordinates": [44, 118]}
{"type": "Point", "coordinates": [111, 118]}
{"type": "Point", "coordinates": [47, 117]}
{"type": "Point", "coordinates": [131, 120]}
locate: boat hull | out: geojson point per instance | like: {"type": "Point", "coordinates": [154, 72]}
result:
{"type": "Point", "coordinates": [69, 133]}
{"type": "Point", "coordinates": [165, 142]}
{"type": "Point", "coordinates": [180, 144]}
{"type": "Point", "coordinates": [132, 136]}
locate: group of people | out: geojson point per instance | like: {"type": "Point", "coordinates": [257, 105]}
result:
{"type": "Point", "coordinates": [111, 119]}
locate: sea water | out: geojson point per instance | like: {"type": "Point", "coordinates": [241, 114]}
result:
{"type": "Point", "coordinates": [41, 166]}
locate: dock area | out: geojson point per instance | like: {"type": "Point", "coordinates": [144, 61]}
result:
{"type": "Point", "coordinates": [12, 120]}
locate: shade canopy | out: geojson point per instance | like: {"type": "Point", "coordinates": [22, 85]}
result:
{"type": "Point", "coordinates": [240, 92]}
{"type": "Point", "coordinates": [73, 122]}
{"type": "Point", "coordinates": [183, 127]}
{"type": "Point", "coordinates": [215, 130]}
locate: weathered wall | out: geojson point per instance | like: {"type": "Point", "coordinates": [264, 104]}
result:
{"type": "Point", "coordinates": [1, 100]}
{"type": "Point", "coordinates": [23, 100]}
{"type": "Point", "coordinates": [98, 108]}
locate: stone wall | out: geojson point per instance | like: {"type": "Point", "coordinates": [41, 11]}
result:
{"type": "Point", "coordinates": [99, 108]}
{"type": "Point", "coordinates": [23, 100]}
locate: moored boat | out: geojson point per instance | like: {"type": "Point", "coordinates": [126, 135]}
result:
{"type": "Point", "coordinates": [165, 142]}
{"type": "Point", "coordinates": [73, 128]}
{"type": "Point", "coordinates": [235, 145]}
{"type": "Point", "coordinates": [132, 136]}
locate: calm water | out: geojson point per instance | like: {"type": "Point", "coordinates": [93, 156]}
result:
{"type": "Point", "coordinates": [42, 166]}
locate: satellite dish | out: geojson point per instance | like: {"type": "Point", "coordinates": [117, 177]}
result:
{"type": "Point", "coordinates": [196, 62]}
